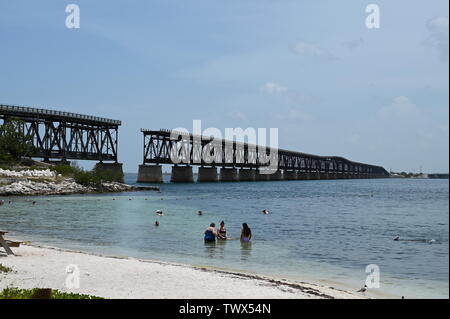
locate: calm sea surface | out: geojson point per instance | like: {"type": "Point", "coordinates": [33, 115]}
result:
{"type": "Point", "coordinates": [325, 231]}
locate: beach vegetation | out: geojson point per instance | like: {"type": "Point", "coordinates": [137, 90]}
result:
{"type": "Point", "coordinates": [14, 142]}
{"type": "Point", "coordinates": [4, 268]}
{"type": "Point", "coordinates": [16, 293]}
{"type": "Point", "coordinates": [94, 177]}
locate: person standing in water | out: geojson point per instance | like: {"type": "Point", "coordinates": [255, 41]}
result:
{"type": "Point", "coordinates": [246, 233]}
{"type": "Point", "coordinates": [222, 231]}
{"type": "Point", "coordinates": [210, 233]}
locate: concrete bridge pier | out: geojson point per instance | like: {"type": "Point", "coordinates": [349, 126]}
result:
{"type": "Point", "coordinates": [228, 175]}
{"type": "Point", "coordinates": [262, 177]}
{"type": "Point", "coordinates": [182, 174]}
{"type": "Point", "coordinates": [303, 175]}
{"type": "Point", "coordinates": [324, 175]}
{"type": "Point", "coordinates": [314, 175]}
{"type": "Point", "coordinates": [247, 175]}
{"type": "Point", "coordinates": [114, 170]}
{"type": "Point", "coordinates": [289, 175]}
{"type": "Point", "coordinates": [207, 174]}
{"type": "Point", "coordinates": [276, 176]}
{"type": "Point", "coordinates": [150, 174]}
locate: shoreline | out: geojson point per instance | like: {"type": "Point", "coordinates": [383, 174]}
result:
{"type": "Point", "coordinates": [39, 266]}
{"type": "Point", "coordinates": [28, 187]}
{"type": "Point", "coordinates": [45, 182]}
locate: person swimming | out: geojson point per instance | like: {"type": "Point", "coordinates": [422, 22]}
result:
{"type": "Point", "coordinates": [222, 231]}
{"type": "Point", "coordinates": [246, 233]}
{"type": "Point", "coordinates": [265, 211]}
{"type": "Point", "coordinates": [159, 212]}
{"type": "Point", "coordinates": [210, 233]}
{"type": "Point", "coordinates": [156, 223]}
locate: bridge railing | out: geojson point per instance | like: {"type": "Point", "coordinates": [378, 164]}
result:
{"type": "Point", "coordinates": [38, 111]}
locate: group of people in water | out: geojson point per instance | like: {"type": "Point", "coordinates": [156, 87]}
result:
{"type": "Point", "coordinates": [211, 233]}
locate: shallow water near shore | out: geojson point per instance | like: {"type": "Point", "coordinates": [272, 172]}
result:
{"type": "Point", "coordinates": [326, 231]}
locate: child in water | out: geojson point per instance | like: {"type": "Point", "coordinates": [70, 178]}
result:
{"type": "Point", "coordinates": [222, 231]}
{"type": "Point", "coordinates": [246, 233]}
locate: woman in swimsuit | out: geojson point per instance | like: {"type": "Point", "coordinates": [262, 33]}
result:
{"type": "Point", "coordinates": [210, 233]}
{"type": "Point", "coordinates": [246, 233]}
{"type": "Point", "coordinates": [222, 231]}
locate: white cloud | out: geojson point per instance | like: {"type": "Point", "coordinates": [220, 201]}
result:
{"type": "Point", "coordinates": [274, 88]}
{"type": "Point", "coordinates": [309, 49]}
{"type": "Point", "coordinates": [401, 107]}
{"type": "Point", "coordinates": [438, 36]}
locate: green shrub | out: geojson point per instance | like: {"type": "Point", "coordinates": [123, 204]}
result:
{"type": "Point", "coordinates": [93, 177]}
{"type": "Point", "coordinates": [15, 293]}
{"type": "Point", "coordinates": [14, 143]}
{"type": "Point", "coordinates": [4, 268]}
{"type": "Point", "coordinates": [65, 169]}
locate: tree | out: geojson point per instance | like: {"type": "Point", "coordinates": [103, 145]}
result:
{"type": "Point", "coordinates": [14, 143]}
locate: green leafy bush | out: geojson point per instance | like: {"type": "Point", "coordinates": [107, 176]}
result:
{"type": "Point", "coordinates": [14, 143]}
{"type": "Point", "coordinates": [93, 177]}
{"type": "Point", "coordinates": [4, 268]}
{"type": "Point", "coordinates": [15, 293]}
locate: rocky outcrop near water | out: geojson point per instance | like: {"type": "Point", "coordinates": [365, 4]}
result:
{"type": "Point", "coordinates": [46, 182]}
{"type": "Point", "coordinates": [45, 173]}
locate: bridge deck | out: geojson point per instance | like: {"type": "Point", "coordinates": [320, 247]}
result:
{"type": "Point", "coordinates": [45, 114]}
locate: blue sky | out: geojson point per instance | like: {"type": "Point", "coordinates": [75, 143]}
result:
{"type": "Point", "coordinates": [310, 68]}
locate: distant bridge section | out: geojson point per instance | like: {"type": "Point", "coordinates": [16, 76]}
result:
{"type": "Point", "coordinates": [161, 147]}
{"type": "Point", "coordinates": [64, 135]}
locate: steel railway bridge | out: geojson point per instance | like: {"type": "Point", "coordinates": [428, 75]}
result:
{"type": "Point", "coordinates": [254, 162]}
{"type": "Point", "coordinates": [63, 136]}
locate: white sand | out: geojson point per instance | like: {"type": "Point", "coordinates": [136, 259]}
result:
{"type": "Point", "coordinates": [114, 277]}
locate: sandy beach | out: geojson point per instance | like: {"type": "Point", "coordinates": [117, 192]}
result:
{"type": "Point", "coordinates": [121, 277]}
